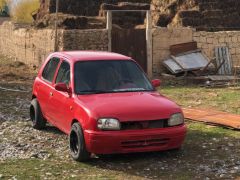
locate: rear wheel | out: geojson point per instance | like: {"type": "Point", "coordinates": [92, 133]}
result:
{"type": "Point", "coordinates": [38, 122]}
{"type": "Point", "coordinates": [77, 145]}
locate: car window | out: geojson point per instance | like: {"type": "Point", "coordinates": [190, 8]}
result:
{"type": "Point", "coordinates": [64, 73]}
{"type": "Point", "coordinates": [109, 76]}
{"type": "Point", "coordinates": [50, 69]}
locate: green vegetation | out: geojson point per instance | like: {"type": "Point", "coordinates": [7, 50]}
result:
{"type": "Point", "coordinates": [2, 4]}
{"type": "Point", "coordinates": [22, 11]}
{"type": "Point", "coordinates": [223, 99]}
{"type": "Point", "coordinates": [4, 11]}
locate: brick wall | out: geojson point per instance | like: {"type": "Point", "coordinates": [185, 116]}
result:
{"type": "Point", "coordinates": [32, 46]}
{"type": "Point", "coordinates": [163, 38]}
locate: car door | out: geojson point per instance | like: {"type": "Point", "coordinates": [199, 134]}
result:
{"type": "Point", "coordinates": [61, 102]}
{"type": "Point", "coordinates": [45, 86]}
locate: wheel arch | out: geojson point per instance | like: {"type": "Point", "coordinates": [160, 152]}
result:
{"type": "Point", "coordinates": [34, 96]}
{"type": "Point", "coordinates": [75, 121]}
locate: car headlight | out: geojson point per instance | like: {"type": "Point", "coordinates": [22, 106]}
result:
{"type": "Point", "coordinates": [108, 124]}
{"type": "Point", "coordinates": [176, 119]}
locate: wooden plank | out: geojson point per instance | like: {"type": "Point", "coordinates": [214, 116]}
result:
{"type": "Point", "coordinates": [225, 66]}
{"type": "Point", "coordinates": [229, 62]}
{"type": "Point", "coordinates": [224, 63]}
{"type": "Point", "coordinates": [221, 78]}
{"type": "Point", "coordinates": [221, 60]}
{"type": "Point", "coordinates": [182, 48]}
{"type": "Point", "coordinates": [213, 117]}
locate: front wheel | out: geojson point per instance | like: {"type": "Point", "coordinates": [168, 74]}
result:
{"type": "Point", "coordinates": [77, 145]}
{"type": "Point", "coordinates": [38, 121]}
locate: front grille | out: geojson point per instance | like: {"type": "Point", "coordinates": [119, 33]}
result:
{"type": "Point", "coordinates": [144, 143]}
{"type": "Point", "coordinates": [144, 124]}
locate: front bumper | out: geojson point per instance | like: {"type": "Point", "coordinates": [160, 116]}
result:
{"type": "Point", "coordinates": [112, 142]}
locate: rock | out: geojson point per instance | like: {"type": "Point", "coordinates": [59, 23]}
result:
{"type": "Point", "coordinates": [222, 175]}
{"type": "Point", "coordinates": [233, 171]}
{"type": "Point", "coordinates": [48, 174]}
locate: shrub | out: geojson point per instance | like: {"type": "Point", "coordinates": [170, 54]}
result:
{"type": "Point", "coordinates": [22, 11]}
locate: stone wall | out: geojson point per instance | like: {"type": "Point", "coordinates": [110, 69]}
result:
{"type": "Point", "coordinates": [163, 38]}
{"type": "Point", "coordinates": [207, 41]}
{"type": "Point", "coordinates": [32, 46]}
{"type": "Point", "coordinates": [23, 44]}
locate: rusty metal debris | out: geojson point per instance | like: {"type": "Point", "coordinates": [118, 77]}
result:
{"type": "Point", "coordinates": [213, 117]}
{"type": "Point", "coordinates": [191, 61]}
{"type": "Point", "coordinates": [186, 58]}
{"type": "Point", "coordinates": [188, 61]}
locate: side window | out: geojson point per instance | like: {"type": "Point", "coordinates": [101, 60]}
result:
{"type": "Point", "coordinates": [64, 73]}
{"type": "Point", "coordinates": [50, 69]}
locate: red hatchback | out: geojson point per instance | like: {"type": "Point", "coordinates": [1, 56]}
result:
{"type": "Point", "coordinates": [106, 104]}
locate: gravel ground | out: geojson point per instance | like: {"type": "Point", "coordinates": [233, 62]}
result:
{"type": "Point", "coordinates": [20, 141]}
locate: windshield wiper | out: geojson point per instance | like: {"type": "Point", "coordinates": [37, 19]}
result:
{"type": "Point", "coordinates": [94, 92]}
{"type": "Point", "coordinates": [131, 90]}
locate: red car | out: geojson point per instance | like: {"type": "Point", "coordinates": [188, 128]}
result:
{"type": "Point", "coordinates": [106, 104]}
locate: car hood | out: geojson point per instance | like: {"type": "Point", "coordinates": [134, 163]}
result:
{"type": "Point", "coordinates": [132, 106]}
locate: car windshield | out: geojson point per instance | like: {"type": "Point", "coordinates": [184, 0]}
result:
{"type": "Point", "coordinates": [96, 77]}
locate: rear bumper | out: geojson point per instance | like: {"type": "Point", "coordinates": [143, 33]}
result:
{"type": "Point", "coordinates": [111, 142]}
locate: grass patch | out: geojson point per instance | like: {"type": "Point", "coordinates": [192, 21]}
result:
{"type": "Point", "coordinates": [223, 99]}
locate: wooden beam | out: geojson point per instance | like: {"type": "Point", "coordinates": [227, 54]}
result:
{"type": "Point", "coordinates": [149, 45]}
{"type": "Point", "coordinates": [109, 28]}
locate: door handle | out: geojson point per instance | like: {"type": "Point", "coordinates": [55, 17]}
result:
{"type": "Point", "coordinates": [51, 93]}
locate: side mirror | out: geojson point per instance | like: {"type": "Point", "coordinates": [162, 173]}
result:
{"type": "Point", "coordinates": [156, 83]}
{"type": "Point", "coordinates": [62, 87]}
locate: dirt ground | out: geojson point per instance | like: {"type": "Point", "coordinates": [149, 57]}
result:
{"type": "Point", "coordinates": [208, 152]}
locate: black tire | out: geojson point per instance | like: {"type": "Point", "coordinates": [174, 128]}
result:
{"type": "Point", "coordinates": [38, 122]}
{"type": "Point", "coordinates": [77, 145]}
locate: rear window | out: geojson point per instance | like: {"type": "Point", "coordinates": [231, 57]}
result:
{"type": "Point", "coordinates": [50, 69]}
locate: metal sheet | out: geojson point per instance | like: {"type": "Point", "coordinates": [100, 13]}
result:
{"type": "Point", "coordinates": [192, 61]}
{"type": "Point", "coordinates": [213, 117]}
{"type": "Point", "coordinates": [172, 66]}
{"type": "Point", "coordinates": [186, 62]}
{"type": "Point", "coordinates": [223, 57]}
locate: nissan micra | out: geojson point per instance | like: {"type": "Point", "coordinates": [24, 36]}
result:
{"type": "Point", "coordinates": [105, 103]}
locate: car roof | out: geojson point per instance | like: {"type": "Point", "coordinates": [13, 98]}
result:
{"type": "Point", "coordinates": [91, 55]}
